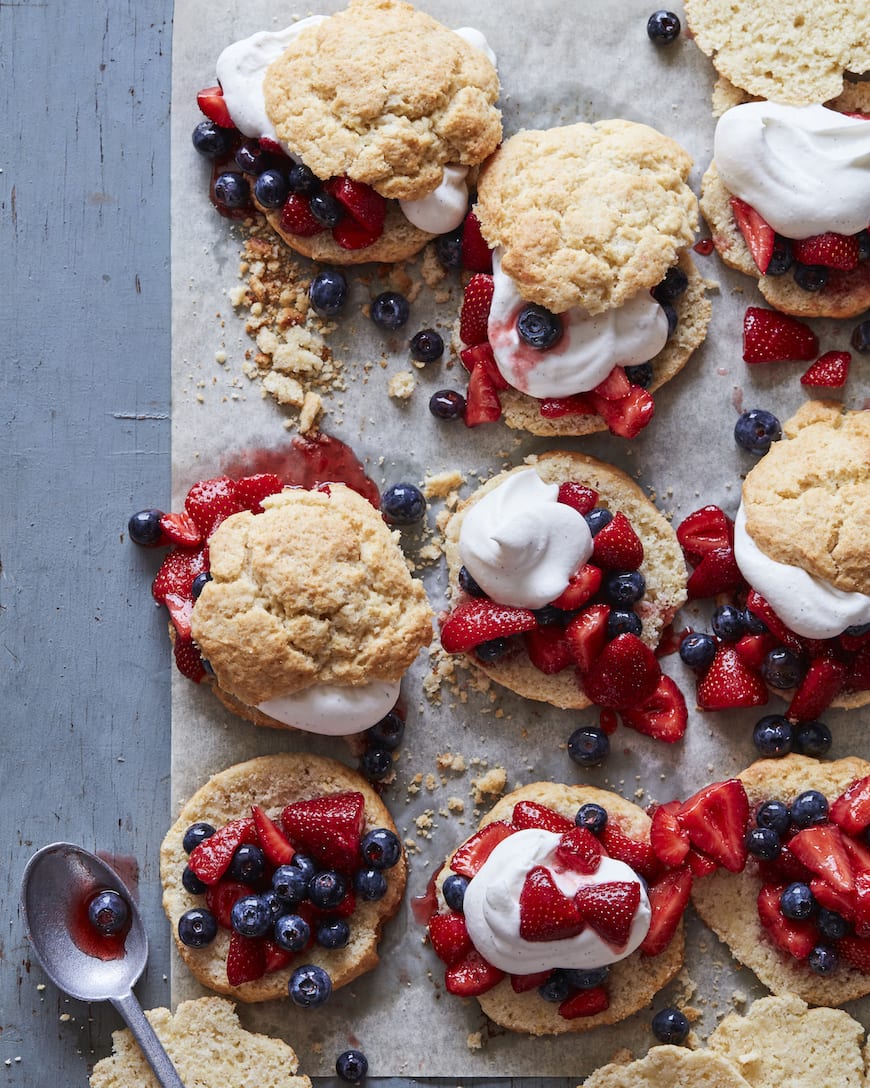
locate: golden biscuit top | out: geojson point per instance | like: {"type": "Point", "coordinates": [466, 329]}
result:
{"type": "Point", "coordinates": [386, 95]}
{"type": "Point", "coordinates": [589, 214]}
{"type": "Point", "coordinates": [807, 501]}
{"type": "Point", "coordinates": [314, 590]}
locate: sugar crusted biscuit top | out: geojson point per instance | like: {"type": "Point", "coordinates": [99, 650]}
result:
{"type": "Point", "coordinates": [314, 590]}
{"type": "Point", "coordinates": [386, 95]}
{"type": "Point", "coordinates": [793, 51]}
{"type": "Point", "coordinates": [588, 214]}
{"type": "Point", "coordinates": [807, 501]}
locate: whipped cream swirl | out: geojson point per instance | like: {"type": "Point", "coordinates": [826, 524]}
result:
{"type": "Point", "coordinates": [805, 169]}
{"type": "Point", "coordinates": [492, 908]}
{"type": "Point", "coordinates": [520, 544]}
{"type": "Point", "coordinates": [334, 710]}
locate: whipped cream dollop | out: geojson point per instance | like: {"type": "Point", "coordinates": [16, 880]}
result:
{"type": "Point", "coordinates": [492, 907]}
{"type": "Point", "coordinates": [520, 544]}
{"type": "Point", "coordinates": [805, 169]}
{"type": "Point", "coordinates": [589, 348]}
{"type": "Point", "coordinates": [443, 209]}
{"type": "Point", "coordinates": [810, 606]}
{"type": "Point", "coordinates": [334, 710]}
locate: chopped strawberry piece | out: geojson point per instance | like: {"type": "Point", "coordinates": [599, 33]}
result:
{"type": "Point", "coordinates": [729, 682]}
{"type": "Point", "coordinates": [758, 234]}
{"type": "Point", "coordinates": [851, 643]}
{"type": "Point", "coordinates": [528, 814]}
{"type": "Point", "coordinates": [577, 405]}
{"type": "Point", "coordinates": [348, 234]}
{"type": "Point", "coordinates": [615, 386]}
{"type": "Point", "coordinates": [859, 854]}
{"type": "Point", "coordinates": [480, 620]}
{"type": "Point", "coordinates": [579, 496]}
{"type": "Point", "coordinates": [276, 958]}
{"type": "Point", "coordinates": [579, 850]}
{"type": "Point", "coordinates": [823, 852]}
{"type": "Point", "coordinates": [327, 829]}
{"type": "Point", "coordinates": [213, 104]}
{"type": "Point", "coordinates": [367, 207]}
{"type": "Point", "coordinates": [771, 337]}
{"type": "Point", "coordinates": [482, 355]}
{"type": "Point", "coordinates": [862, 904]}
{"type": "Point", "coordinates": [663, 715]}
{"type": "Point", "coordinates": [188, 659]}
{"type": "Point", "coordinates": [668, 899]}
{"type": "Point", "coordinates": [822, 683]}
{"type": "Point", "coordinates": [296, 217]}
{"type": "Point", "coordinates": [716, 573]}
{"type": "Point", "coordinates": [754, 648]}
{"type": "Point", "coordinates": [174, 582]}
{"type": "Point", "coordinates": [829, 371]}
{"type": "Point", "coordinates": [546, 914]}
{"type": "Point", "coordinates": [610, 909]}
{"type": "Point", "coordinates": [548, 649]}
{"type": "Point", "coordinates": [798, 939]}
{"type": "Point", "coordinates": [482, 403]}
{"type": "Point", "coordinates": [851, 810]}
{"type": "Point", "coordinates": [624, 674]}
{"type": "Point", "coordinates": [209, 502]}
{"type": "Point", "coordinates": [858, 678]}
{"type": "Point", "coordinates": [474, 315]}
{"type": "Point", "coordinates": [617, 546]}
{"type": "Point", "coordinates": [716, 818]}
{"type": "Point", "coordinates": [830, 249]}
{"type": "Point", "coordinates": [521, 984]}
{"type": "Point", "coordinates": [582, 586]}
{"type": "Point", "coordinates": [856, 952]}
{"type": "Point", "coordinates": [759, 607]}
{"type": "Point", "coordinates": [668, 838]}
{"type": "Point", "coordinates": [587, 634]}
{"type": "Point", "coordinates": [180, 529]}
{"type": "Point", "coordinates": [246, 959]}
{"type": "Point", "coordinates": [476, 254]}
{"type": "Point", "coordinates": [785, 868]}
{"type": "Point", "coordinates": [703, 531]}
{"type": "Point", "coordinates": [608, 721]}
{"type": "Point", "coordinates": [273, 841]}
{"type": "Point", "coordinates": [448, 935]}
{"type": "Point", "coordinates": [220, 899]}
{"type": "Point", "coordinates": [627, 416]}
{"type": "Point", "coordinates": [211, 859]}
{"type": "Point", "coordinates": [635, 853]}
{"type": "Point", "coordinates": [251, 490]}
{"type": "Point", "coordinates": [472, 976]}
{"type": "Point", "coordinates": [585, 1003]}
{"type": "Point", "coordinates": [700, 865]}
{"type": "Point", "coordinates": [469, 858]}
{"type": "Point", "coordinates": [832, 900]}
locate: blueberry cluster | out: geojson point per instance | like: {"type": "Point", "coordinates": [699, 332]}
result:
{"type": "Point", "coordinates": [382, 739]}
{"type": "Point", "coordinates": [774, 736]}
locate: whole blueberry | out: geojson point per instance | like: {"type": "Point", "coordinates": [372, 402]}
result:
{"type": "Point", "coordinates": [727, 623]}
{"type": "Point", "coordinates": [797, 901]}
{"type": "Point", "coordinates": [447, 404]}
{"type": "Point", "coordinates": [196, 834]}
{"type": "Point", "coordinates": [292, 932]}
{"type": "Point", "coordinates": [538, 327]}
{"type": "Point", "coordinates": [251, 158]}
{"type": "Point", "coordinates": [781, 259]}
{"type": "Point", "coordinates": [199, 583]}
{"type": "Point", "coordinates": [860, 338]}
{"type": "Point", "coordinates": [556, 988]}
{"type": "Point", "coordinates": [309, 986]}
{"type": "Point", "coordinates": [108, 912]}
{"type": "Point", "coordinates": [550, 616]}
{"type": "Point", "coordinates": [773, 735]}
{"type": "Point", "coordinates": [327, 292]}
{"type": "Point", "coordinates": [782, 668]}
{"type": "Point", "coordinates": [671, 315]}
{"type": "Point", "coordinates": [232, 190]}
{"type": "Point", "coordinates": [327, 889]}
{"type": "Point", "coordinates": [453, 890]}
{"type": "Point", "coordinates": [380, 848]}
{"type": "Point", "coordinates": [403, 504]}
{"type": "Point", "coordinates": [831, 925]}
{"type": "Point", "coordinates": [251, 916]}
{"type": "Point", "coordinates": [588, 746]}
{"type": "Point", "coordinates": [812, 739]}
{"type": "Point", "coordinates": [670, 1025]}
{"type": "Point", "coordinates": [326, 209]}
{"type": "Point", "coordinates": [144, 528]}
{"type": "Point", "coordinates": [290, 883]}
{"type": "Point", "coordinates": [863, 239]}
{"type": "Point", "coordinates": [248, 864]}
{"type": "Point", "coordinates": [586, 979]}
{"type": "Point", "coordinates": [823, 960]}
{"type": "Point", "coordinates": [623, 621]}
{"type": "Point", "coordinates": [427, 345]}
{"type": "Point", "coordinates": [274, 903]}
{"type": "Point", "coordinates": [625, 587]}
{"type": "Point", "coordinates": [370, 884]}
{"type": "Point", "coordinates": [352, 1066]}
{"type": "Point", "coordinates": [775, 815]}
{"type": "Point", "coordinates": [809, 808]}
{"type": "Point", "coordinates": [597, 518]}
{"type": "Point", "coordinates": [756, 429]}
{"type": "Point", "coordinates": [390, 311]}
{"type": "Point", "coordinates": [591, 816]}
{"type": "Point", "coordinates": [641, 374]}
{"type": "Point", "coordinates": [376, 763]}
{"type": "Point", "coordinates": [306, 865]}
{"type": "Point", "coordinates": [754, 625]}
{"type": "Point", "coordinates": [191, 882]}
{"type": "Point", "coordinates": [388, 732]}
{"type": "Point", "coordinates": [212, 140]}
{"type": "Point", "coordinates": [763, 842]}
{"type": "Point", "coordinates": [271, 189]}
{"type": "Point", "coordinates": [697, 650]}
{"type": "Point", "coordinates": [468, 585]}
{"type": "Point", "coordinates": [301, 179]}
{"type": "Point", "coordinates": [857, 630]}
{"type": "Point", "coordinates": [492, 650]}
{"type": "Point", "coordinates": [333, 933]}
{"type": "Point", "coordinates": [810, 277]}
{"type": "Point", "coordinates": [197, 927]}
{"type": "Point", "coordinates": [448, 249]}
{"type": "Point", "coordinates": [672, 286]}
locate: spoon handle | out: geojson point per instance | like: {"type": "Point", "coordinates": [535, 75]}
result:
{"type": "Point", "coordinates": [151, 1047]}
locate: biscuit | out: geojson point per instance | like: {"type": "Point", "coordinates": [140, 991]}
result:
{"type": "Point", "coordinates": [807, 501]}
{"type": "Point", "coordinates": [273, 782]}
{"type": "Point", "coordinates": [727, 901]}
{"type": "Point", "coordinates": [209, 1048]}
{"type": "Point", "coordinates": [632, 982]}
{"type": "Point", "coordinates": [792, 52]}
{"type": "Point", "coordinates": [669, 1067]}
{"type": "Point", "coordinates": [588, 214]}
{"type": "Point", "coordinates": [663, 567]}
{"type": "Point", "coordinates": [386, 95]}
{"type": "Point", "coordinates": [314, 590]}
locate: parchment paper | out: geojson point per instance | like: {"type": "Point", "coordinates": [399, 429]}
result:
{"type": "Point", "coordinates": [560, 61]}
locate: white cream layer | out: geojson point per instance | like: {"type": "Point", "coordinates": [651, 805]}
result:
{"type": "Point", "coordinates": [334, 710]}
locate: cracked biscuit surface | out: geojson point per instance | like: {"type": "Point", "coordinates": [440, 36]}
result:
{"type": "Point", "coordinates": [314, 590]}
{"type": "Point", "coordinates": [386, 95]}
{"type": "Point", "coordinates": [588, 214]}
{"type": "Point", "coordinates": [807, 501]}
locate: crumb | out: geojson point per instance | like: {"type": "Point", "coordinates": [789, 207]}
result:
{"type": "Point", "coordinates": [401, 386]}
{"type": "Point", "coordinates": [474, 1041]}
{"type": "Point", "coordinates": [430, 782]}
{"type": "Point", "coordinates": [455, 804]}
{"type": "Point", "coordinates": [442, 484]}
{"type": "Point", "coordinates": [491, 784]}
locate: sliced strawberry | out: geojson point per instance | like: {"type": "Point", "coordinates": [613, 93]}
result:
{"type": "Point", "coordinates": [610, 909]}
{"type": "Point", "coordinates": [667, 837]}
{"type": "Point", "coordinates": [579, 496]}
{"type": "Point", "coordinates": [856, 952]}
{"type": "Point", "coordinates": [716, 818]}
{"type": "Point", "coordinates": [771, 337]}
{"type": "Point", "coordinates": [548, 649]}
{"type": "Point", "coordinates": [851, 643]}
{"type": "Point", "coordinates": [755, 648]}
{"type": "Point", "coordinates": [703, 531]}
{"type": "Point", "coordinates": [758, 234]}
{"type": "Point", "coordinates": [859, 670]}
{"type": "Point", "coordinates": [246, 959]}
{"type": "Point", "coordinates": [220, 899]}
{"type": "Point", "coordinates": [476, 254]}
{"type": "Point", "coordinates": [759, 607]}
{"type": "Point", "coordinates": [273, 841]}
{"type": "Point", "coordinates": [528, 814]}
{"type": "Point", "coordinates": [859, 854]}
{"type": "Point", "coordinates": [830, 899]}
{"type": "Point", "coordinates": [786, 868]}
{"type": "Point", "coordinates": [668, 899]}
{"type": "Point", "coordinates": [608, 721]}
{"type": "Point", "coordinates": [830, 249]}
{"type": "Point", "coordinates": [634, 852]}
{"type": "Point", "coordinates": [481, 400]}
{"type": "Point", "coordinates": [587, 634]}
{"type": "Point", "coordinates": [861, 898]}
{"type": "Point", "coordinates": [211, 859]}
{"type": "Point", "coordinates": [481, 355]}
{"type": "Point", "coordinates": [276, 958]}
{"type": "Point", "coordinates": [851, 810]}
{"type": "Point", "coordinates": [546, 914]}
{"type": "Point", "coordinates": [469, 858]}
{"type": "Point", "coordinates": [797, 939]}
{"type": "Point", "coordinates": [188, 659]}
{"type": "Point", "coordinates": [472, 976]}
{"type": "Point", "coordinates": [348, 234]}
{"type": "Point", "coordinates": [585, 1003]}
{"type": "Point", "coordinates": [822, 683]}
{"type": "Point", "coordinates": [700, 865]}
{"type": "Point", "coordinates": [729, 682]}
{"type": "Point", "coordinates": [213, 104]}
{"type": "Point", "coordinates": [448, 935]}
{"type": "Point", "coordinates": [582, 586]}
{"type": "Point", "coordinates": [251, 490]}
{"type": "Point", "coordinates": [522, 984]}
{"type": "Point", "coordinates": [367, 207]}
{"type": "Point", "coordinates": [327, 829]}
{"type": "Point", "coordinates": [180, 529]}
{"type": "Point", "coordinates": [716, 573]}
{"type": "Point", "coordinates": [617, 546]}
{"type": "Point", "coordinates": [615, 386]}
{"type": "Point", "coordinates": [174, 582]}
{"type": "Point", "coordinates": [296, 217]}
{"type": "Point", "coordinates": [480, 620]}
{"type": "Point", "coordinates": [209, 502]}
{"type": "Point", "coordinates": [829, 371]}
{"type": "Point", "coordinates": [663, 715]}
{"type": "Point", "coordinates": [624, 674]}
{"type": "Point", "coordinates": [823, 852]}
{"type": "Point", "coordinates": [577, 405]}
{"type": "Point", "coordinates": [579, 850]}
{"type": "Point", "coordinates": [476, 304]}
{"type": "Point", "coordinates": [627, 416]}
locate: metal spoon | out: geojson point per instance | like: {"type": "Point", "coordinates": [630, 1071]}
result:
{"type": "Point", "coordinates": [56, 881]}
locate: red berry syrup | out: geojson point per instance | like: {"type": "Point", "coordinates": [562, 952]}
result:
{"type": "Point", "coordinates": [101, 946]}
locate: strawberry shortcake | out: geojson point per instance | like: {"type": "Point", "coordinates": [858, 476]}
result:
{"type": "Point", "coordinates": [593, 301]}
{"type": "Point", "coordinates": [357, 134]}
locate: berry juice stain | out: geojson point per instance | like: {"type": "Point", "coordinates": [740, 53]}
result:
{"type": "Point", "coordinates": [100, 946]}
{"type": "Point", "coordinates": [704, 246]}
{"type": "Point", "coordinates": [425, 905]}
